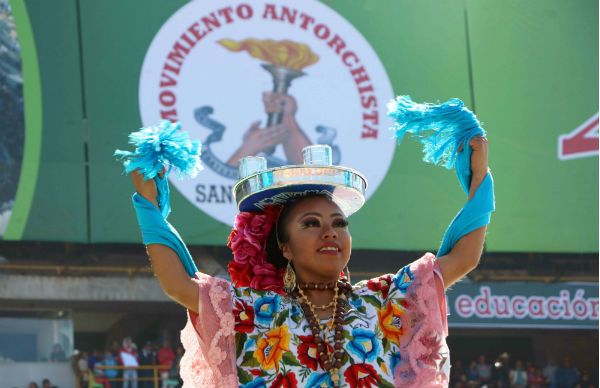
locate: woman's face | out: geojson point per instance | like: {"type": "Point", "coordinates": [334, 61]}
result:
{"type": "Point", "coordinates": [319, 242]}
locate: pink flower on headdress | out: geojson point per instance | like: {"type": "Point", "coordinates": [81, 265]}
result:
{"type": "Point", "coordinates": [248, 241]}
{"type": "Point", "coordinates": [258, 259]}
{"type": "Point", "coordinates": [267, 277]}
{"type": "Point", "coordinates": [255, 227]}
{"type": "Point", "coordinates": [243, 248]}
{"type": "Point", "coordinates": [241, 274]}
{"type": "Point", "coordinates": [242, 219]}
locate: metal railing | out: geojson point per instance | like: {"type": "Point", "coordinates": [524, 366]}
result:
{"type": "Point", "coordinates": [478, 275]}
{"type": "Point", "coordinates": [98, 381]}
{"type": "Point", "coordinates": [63, 269]}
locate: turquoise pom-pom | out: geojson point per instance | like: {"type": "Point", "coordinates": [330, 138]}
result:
{"type": "Point", "coordinates": [159, 148]}
{"type": "Point", "coordinates": [441, 128]}
{"type": "Point", "coordinates": [445, 131]}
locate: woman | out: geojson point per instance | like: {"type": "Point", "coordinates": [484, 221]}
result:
{"type": "Point", "coordinates": [311, 328]}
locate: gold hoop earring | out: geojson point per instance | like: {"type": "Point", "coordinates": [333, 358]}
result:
{"type": "Point", "coordinates": [289, 279]}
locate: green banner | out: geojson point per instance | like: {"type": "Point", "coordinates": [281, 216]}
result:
{"type": "Point", "coordinates": [49, 203]}
{"type": "Point", "coordinates": [529, 71]}
{"type": "Point", "coordinates": [523, 304]}
{"type": "Point", "coordinates": [535, 79]}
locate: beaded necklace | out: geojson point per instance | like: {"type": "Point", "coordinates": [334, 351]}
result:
{"type": "Point", "coordinates": [331, 360]}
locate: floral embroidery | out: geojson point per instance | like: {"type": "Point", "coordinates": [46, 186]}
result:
{"type": "Point", "coordinates": [296, 311]}
{"type": "Point", "coordinates": [266, 308]}
{"type": "Point", "coordinates": [364, 344]}
{"type": "Point", "coordinates": [258, 383]}
{"type": "Point", "coordinates": [244, 316]}
{"type": "Point", "coordinates": [356, 302]}
{"type": "Point", "coordinates": [285, 381]}
{"type": "Point", "coordinates": [275, 347]}
{"type": "Point", "coordinates": [382, 365]}
{"type": "Point", "coordinates": [395, 360]}
{"type": "Point", "coordinates": [321, 380]}
{"type": "Point", "coordinates": [390, 321]}
{"type": "Point", "coordinates": [361, 375]}
{"type": "Point", "coordinates": [403, 279]}
{"type": "Point", "coordinates": [269, 348]}
{"type": "Point", "coordinates": [381, 284]}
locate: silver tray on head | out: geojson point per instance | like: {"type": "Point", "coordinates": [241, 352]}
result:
{"type": "Point", "coordinates": [277, 186]}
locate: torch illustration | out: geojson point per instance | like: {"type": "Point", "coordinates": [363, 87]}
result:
{"type": "Point", "coordinates": [284, 61]}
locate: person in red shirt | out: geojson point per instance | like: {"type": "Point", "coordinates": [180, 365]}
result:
{"type": "Point", "coordinates": [165, 358]}
{"type": "Point", "coordinates": [536, 379]}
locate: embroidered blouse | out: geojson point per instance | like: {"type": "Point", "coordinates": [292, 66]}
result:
{"type": "Point", "coordinates": [395, 335]}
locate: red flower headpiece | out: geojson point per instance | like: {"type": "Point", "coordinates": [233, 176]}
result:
{"type": "Point", "coordinates": [248, 242]}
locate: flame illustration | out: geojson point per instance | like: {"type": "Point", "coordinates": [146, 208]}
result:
{"type": "Point", "coordinates": [284, 53]}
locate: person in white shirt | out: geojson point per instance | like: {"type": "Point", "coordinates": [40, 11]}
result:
{"type": "Point", "coordinates": [518, 376]}
{"type": "Point", "coordinates": [484, 369]}
{"type": "Point", "coordinates": [129, 358]}
{"type": "Point", "coordinates": [549, 372]}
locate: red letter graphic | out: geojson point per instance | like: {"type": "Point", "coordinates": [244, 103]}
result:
{"type": "Point", "coordinates": [581, 142]}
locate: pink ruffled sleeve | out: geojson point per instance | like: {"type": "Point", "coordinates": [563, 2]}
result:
{"type": "Point", "coordinates": [425, 356]}
{"type": "Point", "coordinates": [209, 337]}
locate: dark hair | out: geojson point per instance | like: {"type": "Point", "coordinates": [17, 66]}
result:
{"type": "Point", "coordinates": [274, 253]}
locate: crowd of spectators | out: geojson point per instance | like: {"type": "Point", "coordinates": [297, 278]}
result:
{"type": "Point", "coordinates": [94, 368]}
{"type": "Point", "coordinates": [45, 384]}
{"type": "Point", "coordinates": [518, 374]}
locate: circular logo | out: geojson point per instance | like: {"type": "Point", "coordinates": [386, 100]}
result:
{"type": "Point", "coordinates": [266, 78]}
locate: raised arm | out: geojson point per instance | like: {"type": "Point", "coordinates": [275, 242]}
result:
{"type": "Point", "coordinates": [465, 255]}
{"type": "Point", "coordinates": [173, 279]}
